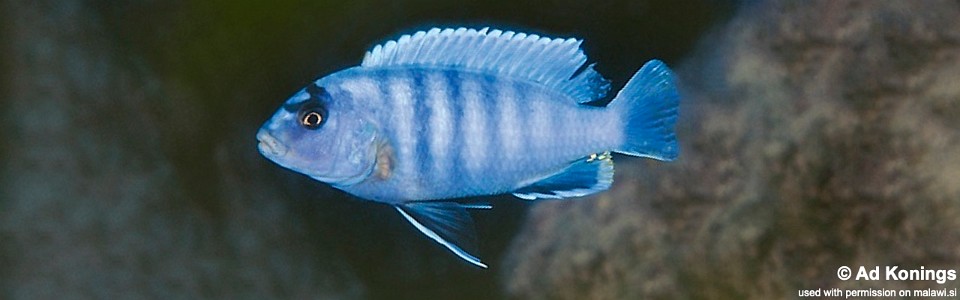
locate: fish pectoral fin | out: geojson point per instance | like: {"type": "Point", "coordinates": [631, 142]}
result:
{"type": "Point", "coordinates": [583, 177]}
{"type": "Point", "coordinates": [447, 223]}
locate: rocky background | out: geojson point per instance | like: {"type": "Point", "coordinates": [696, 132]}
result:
{"type": "Point", "coordinates": [815, 134]}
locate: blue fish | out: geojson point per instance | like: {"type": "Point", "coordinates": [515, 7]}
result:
{"type": "Point", "coordinates": [454, 113]}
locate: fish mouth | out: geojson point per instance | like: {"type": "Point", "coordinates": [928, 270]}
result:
{"type": "Point", "coordinates": [269, 145]}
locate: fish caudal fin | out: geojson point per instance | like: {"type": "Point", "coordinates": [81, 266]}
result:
{"type": "Point", "coordinates": [447, 223]}
{"type": "Point", "coordinates": [648, 104]}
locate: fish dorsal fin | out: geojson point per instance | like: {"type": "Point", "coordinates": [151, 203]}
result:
{"type": "Point", "coordinates": [552, 62]}
{"type": "Point", "coordinates": [586, 176]}
{"type": "Point", "coordinates": [447, 223]}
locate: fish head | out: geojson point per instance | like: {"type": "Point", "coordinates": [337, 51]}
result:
{"type": "Point", "coordinates": [321, 135]}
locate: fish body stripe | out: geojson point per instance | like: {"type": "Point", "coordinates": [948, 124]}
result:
{"type": "Point", "coordinates": [457, 140]}
{"type": "Point", "coordinates": [418, 166]}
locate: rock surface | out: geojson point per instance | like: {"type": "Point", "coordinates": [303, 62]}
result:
{"type": "Point", "coordinates": [815, 134]}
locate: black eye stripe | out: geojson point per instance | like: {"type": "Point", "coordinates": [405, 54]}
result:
{"type": "Point", "coordinates": [294, 107]}
{"type": "Point", "coordinates": [315, 91]}
{"type": "Point", "coordinates": [316, 94]}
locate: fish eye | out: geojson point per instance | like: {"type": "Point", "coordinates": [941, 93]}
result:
{"type": "Point", "coordinates": [310, 112]}
{"type": "Point", "coordinates": [312, 118]}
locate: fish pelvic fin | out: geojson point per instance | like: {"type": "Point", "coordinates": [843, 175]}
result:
{"type": "Point", "coordinates": [586, 176]}
{"type": "Point", "coordinates": [447, 223]}
{"type": "Point", "coordinates": [649, 105]}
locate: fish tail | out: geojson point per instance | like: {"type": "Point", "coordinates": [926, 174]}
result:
{"type": "Point", "coordinates": [648, 106]}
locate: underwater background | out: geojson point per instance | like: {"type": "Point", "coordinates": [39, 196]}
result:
{"type": "Point", "coordinates": [814, 135]}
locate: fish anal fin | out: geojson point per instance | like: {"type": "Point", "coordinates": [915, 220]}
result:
{"type": "Point", "coordinates": [583, 177]}
{"type": "Point", "coordinates": [447, 223]}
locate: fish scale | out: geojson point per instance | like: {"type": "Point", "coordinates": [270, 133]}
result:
{"type": "Point", "coordinates": [439, 129]}
{"type": "Point", "coordinates": [404, 137]}
{"type": "Point", "coordinates": [452, 113]}
{"type": "Point", "coordinates": [506, 118]}
{"type": "Point", "coordinates": [474, 131]}
{"type": "Point", "coordinates": [498, 146]}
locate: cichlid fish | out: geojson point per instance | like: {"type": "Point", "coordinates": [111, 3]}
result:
{"type": "Point", "coordinates": [455, 113]}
